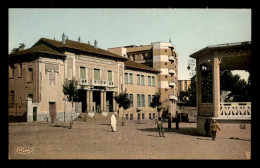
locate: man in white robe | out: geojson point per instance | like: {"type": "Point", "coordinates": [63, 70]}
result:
{"type": "Point", "coordinates": [113, 122]}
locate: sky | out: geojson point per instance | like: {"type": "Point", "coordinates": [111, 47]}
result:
{"type": "Point", "coordinates": [189, 29]}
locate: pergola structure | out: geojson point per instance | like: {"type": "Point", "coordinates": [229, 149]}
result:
{"type": "Point", "coordinates": [231, 56]}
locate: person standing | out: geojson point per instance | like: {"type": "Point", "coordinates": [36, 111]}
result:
{"type": "Point", "coordinates": [214, 128]}
{"type": "Point", "coordinates": [177, 119]}
{"type": "Point", "coordinates": [169, 121]}
{"type": "Point", "coordinates": [113, 122]}
{"type": "Point", "coordinates": [160, 127]}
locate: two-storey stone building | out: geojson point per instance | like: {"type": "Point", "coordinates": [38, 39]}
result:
{"type": "Point", "coordinates": [36, 76]}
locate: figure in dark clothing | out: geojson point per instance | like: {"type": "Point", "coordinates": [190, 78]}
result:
{"type": "Point", "coordinates": [160, 127]}
{"type": "Point", "coordinates": [177, 119]}
{"type": "Point", "coordinates": [169, 121]}
{"type": "Point", "coordinates": [207, 127]}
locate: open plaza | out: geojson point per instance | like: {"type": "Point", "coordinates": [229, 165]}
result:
{"type": "Point", "coordinates": [94, 139]}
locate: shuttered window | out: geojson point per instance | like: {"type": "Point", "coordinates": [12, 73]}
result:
{"type": "Point", "coordinates": [109, 76]}
{"type": "Point", "coordinates": [82, 73]}
{"type": "Point", "coordinates": [96, 74]}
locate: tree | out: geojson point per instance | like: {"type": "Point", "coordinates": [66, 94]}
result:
{"type": "Point", "coordinates": [156, 103]}
{"type": "Point", "coordinates": [20, 48]}
{"type": "Point", "coordinates": [123, 101]}
{"type": "Point", "coordinates": [70, 90]}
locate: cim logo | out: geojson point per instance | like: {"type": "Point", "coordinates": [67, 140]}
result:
{"type": "Point", "coordinates": [24, 150]}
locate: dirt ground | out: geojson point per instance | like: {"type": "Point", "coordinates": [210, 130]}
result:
{"type": "Point", "coordinates": [136, 140]}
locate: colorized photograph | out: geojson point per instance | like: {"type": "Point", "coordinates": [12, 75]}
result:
{"type": "Point", "coordinates": [129, 83]}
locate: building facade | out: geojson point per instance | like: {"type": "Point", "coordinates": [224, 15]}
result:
{"type": "Point", "coordinates": [183, 85]}
{"type": "Point", "coordinates": [36, 76]}
{"type": "Point", "coordinates": [163, 57]}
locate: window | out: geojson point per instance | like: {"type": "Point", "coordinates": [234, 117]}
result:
{"type": "Point", "coordinates": [30, 76]}
{"type": "Point", "coordinates": [131, 78]}
{"type": "Point", "coordinates": [142, 80]}
{"type": "Point", "coordinates": [131, 116]}
{"type": "Point", "coordinates": [139, 116]}
{"type": "Point", "coordinates": [149, 100]}
{"type": "Point", "coordinates": [138, 100]}
{"type": "Point", "coordinates": [109, 76]}
{"type": "Point", "coordinates": [97, 74]}
{"type": "Point", "coordinates": [143, 116]}
{"type": "Point", "coordinates": [153, 115]}
{"type": "Point", "coordinates": [126, 77]}
{"type": "Point", "coordinates": [138, 80]}
{"type": "Point", "coordinates": [153, 81]}
{"type": "Point", "coordinates": [131, 97]}
{"type": "Point", "coordinates": [52, 77]}
{"type": "Point", "coordinates": [126, 116]}
{"type": "Point", "coordinates": [143, 100]}
{"type": "Point", "coordinates": [82, 73]}
{"type": "Point", "coordinates": [149, 81]}
{"type": "Point", "coordinates": [30, 96]}
{"type": "Point", "coordinates": [150, 116]}
{"type": "Point", "coordinates": [166, 76]}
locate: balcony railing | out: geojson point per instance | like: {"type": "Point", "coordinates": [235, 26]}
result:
{"type": "Point", "coordinates": [99, 82]}
{"type": "Point", "coordinates": [171, 71]}
{"type": "Point", "coordinates": [171, 58]}
{"type": "Point", "coordinates": [172, 84]}
{"type": "Point", "coordinates": [83, 81]}
{"type": "Point", "coordinates": [173, 97]}
{"type": "Point", "coordinates": [233, 110]}
{"type": "Point", "coordinates": [110, 83]}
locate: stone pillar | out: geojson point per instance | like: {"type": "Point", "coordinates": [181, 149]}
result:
{"type": "Point", "coordinates": [90, 101]}
{"type": "Point", "coordinates": [198, 86]}
{"type": "Point", "coordinates": [87, 104]}
{"type": "Point", "coordinates": [105, 101]}
{"type": "Point", "coordinates": [29, 109]}
{"type": "Point", "coordinates": [101, 101]}
{"type": "Point", "coordinates": [114, 102]}
{"type": "Point", "coordinates": [216, 86]}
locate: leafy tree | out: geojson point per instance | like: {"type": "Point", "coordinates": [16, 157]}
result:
{"type": "Point", "coordinates": [70, 90]}
{"type": "Point", "coordinates": [123, 101]}
{"type": "Point", "coordinates": [156, 103]}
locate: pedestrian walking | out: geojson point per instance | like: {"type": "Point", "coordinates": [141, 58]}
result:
{"type": "Point", "coordinates": [160, 127]}
{"type": "Point", "coordinates": [169, 121]}
{"type": "Point", "coordinates": [177, 119]}
{"type": "Point", "coordinates": [214, 128]}
{"type": "Point", "coordinates": [207, 127]}
{"type": "Point", "coordinates": [113, 122]}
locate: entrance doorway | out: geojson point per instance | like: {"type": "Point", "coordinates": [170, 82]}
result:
{"type": "Point", "coordinates": [34, 113]}
{"type": "Point", "coordinates": [96, 101]}
{"type": "Point", "coordinates": [109, 100]}
{"type": "Point", "coordinates": [52, 111]}
{"type": "Point", "coordinates": [83, 100]}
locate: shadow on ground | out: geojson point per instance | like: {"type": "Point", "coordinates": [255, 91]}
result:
{"type": "Point", "coordinates": [185, 131]}
{"type": "Point", "coordinates": [63, 126]}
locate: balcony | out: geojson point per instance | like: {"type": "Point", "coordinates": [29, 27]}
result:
{"type": "Point", "coordinates": [110, 83]}
{"type": "Point", "coordinates": [172, 84]}
{"type": "Point", "coordinates": [171, 71]}
{"type": "Point", "coordinates": [171, 58]}
{"type": "Point", "coordinates": [173, 97]}
{"type": "Point", "coordinates": [83, 81]}
{"type": "Point", "coordinates": [99, 83]}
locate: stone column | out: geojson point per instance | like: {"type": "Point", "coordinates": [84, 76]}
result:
{"type": "Point", "coordinates": [101, 101]}
{"type": "Point", "coordinates": [114, 102]}
{"type": "Point", "coordinates": [87, 104]}
{"type": "Point", "coordinates": [198, 86]}
{"type": "Point", "coordinates": [90, 101]}
{"type": "Point", "coordinates": [216, 86]}
{"type": "Point", "coordinates": [105, 101]}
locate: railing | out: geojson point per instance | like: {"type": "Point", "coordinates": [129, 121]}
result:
{"type": "Point", "coordinates": [171, 58]}
{"type": "Point", "coordinates": [110, 83]}
{"type": "Point", "coordinates": [173, 97]}
{"type": "Point", "coordinates": [235, 110]}
{"type": "Point", "coordinates": [99, 82]}
{"type": "Point", "coordinates": [83, 81]}
{"type": "Point", "coordinates": [172, 84]}
{"type": "Point", "coordinates": [171, 71]}
{"type": "Point", "coordinates": [206, 110]}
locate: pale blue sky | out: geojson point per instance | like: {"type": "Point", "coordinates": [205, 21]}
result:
{"type": "Point", "coordinates": [189, 29]}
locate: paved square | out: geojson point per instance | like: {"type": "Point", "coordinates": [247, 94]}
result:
{"type": "Point", "coordinates": [135, 140]}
